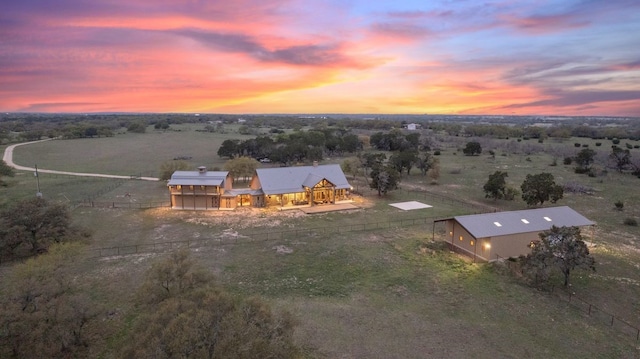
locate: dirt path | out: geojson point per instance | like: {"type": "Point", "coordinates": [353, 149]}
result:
{"type": "Point", "coordinates": [8, 159]}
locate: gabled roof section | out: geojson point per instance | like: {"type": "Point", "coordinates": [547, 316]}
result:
{"type": "Point", "coordinates": [525, 221]}
{"type": "Point", "coordinates": [196, 178]}
{"type": "Point", "coordinates": [312, 180]}
{"type": "Point", "coordinates": [280, 180]}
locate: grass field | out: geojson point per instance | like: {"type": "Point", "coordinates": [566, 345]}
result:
{"type": "Point", "coordinates": [389, 293]}
{"type": "Point", "coordinates": [129, 153]}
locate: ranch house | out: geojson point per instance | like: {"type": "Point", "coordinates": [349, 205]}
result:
{"type": "Point", "coordinates": [280, 187]}
{"type": "Point", "coordinates": [491, 236]}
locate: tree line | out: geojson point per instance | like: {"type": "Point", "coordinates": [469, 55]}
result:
{"type": "Point", "coordinates": [297, 146]}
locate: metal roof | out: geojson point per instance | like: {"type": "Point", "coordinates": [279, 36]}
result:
{"type": "Point", "coordinates": [196, 178]}
{"type": "Point", "coordinates": [525, 221]}
{"type": "Point", "coordinates": [280, 180]}
{"type": "Point", "coordinates": [239, 191]}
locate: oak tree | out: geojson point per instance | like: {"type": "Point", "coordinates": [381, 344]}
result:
{"type": "Point", "coordinates": [496, 185]}
{"type": "Point", "coordinates": [185, 314]}
{"type": "Point", "coordinates": [384, 179]}
{"type": "Point", "coordinates": [561, 248]}
{"type": "Point", "coordinates": [472, 148]}
{"type": "Point", "coordinates": [539, 188]}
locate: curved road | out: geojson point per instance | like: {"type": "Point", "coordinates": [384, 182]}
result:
{"type": "Point", "coordinates": [8, 159]}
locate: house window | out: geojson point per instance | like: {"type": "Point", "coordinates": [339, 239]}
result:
{"type": "Point", "coordinates": [179, 186]}
{"type": "Point", "coordinates": [472, 242]}
{"type": "Point", "coordinates": [461, 238]}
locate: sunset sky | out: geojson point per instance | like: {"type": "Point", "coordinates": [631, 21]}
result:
{"type": "Point", "coordinates": [539, 57]}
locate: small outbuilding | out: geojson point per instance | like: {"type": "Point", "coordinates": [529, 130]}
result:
{"type": "Point", "coordinates": [200, 190]}
{"type": "Point", "coordinates": [491, 236]}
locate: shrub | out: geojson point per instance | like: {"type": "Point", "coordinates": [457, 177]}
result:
{"type": "Point", "coordinates": [630, 222]}
{"type": "Point", "coordinates": [619, 205]}
{"type": "Point", "coordinates": [540, 140]}
{"type": "Point", "coordinates": [629, 146]}
{"type": "Point", "coordinates": [598, 144]}
{"type": "Point", "coordinates": [577, 144]}
{"type": "Point", "coordinates": [615, 141]}
{"type": "Point", "coordinates": [636, 146]}
{"type": "Point", "coordinates": [585, 145]}
{"type": "Point", "coordinates": [567, 160]}
{"type": "Point", "coordinates": [436, 153]}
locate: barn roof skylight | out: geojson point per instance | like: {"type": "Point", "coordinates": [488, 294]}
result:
{"type": "Point", "coordinates": [524, 221]}
{"type": "Point", "coordinates": [497, 224]}
{"type": "Point", "coordinates": [547, 219]}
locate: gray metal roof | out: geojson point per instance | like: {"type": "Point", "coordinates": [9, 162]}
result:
{"type": "Point", "coordinates": [525, 221]}
{"type": "Point", "coordinates": [196, 178]}
{"type": "Point", "coordinates": [280, 180]}
{"type": "Point", "coordinates": [239, 191]}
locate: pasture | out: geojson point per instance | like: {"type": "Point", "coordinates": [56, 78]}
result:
{"type": "Point", "coordinates": [373, 293]}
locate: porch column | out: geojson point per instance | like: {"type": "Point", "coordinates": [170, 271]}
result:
{"type": "Point", "coordinates": [182, 196]}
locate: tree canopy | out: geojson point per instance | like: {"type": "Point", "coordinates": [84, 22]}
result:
{"type": "Point", "coordinates": [384, 179]}
{"type": "Point", "coordinates": [6, 171]}
{"type": "Point", "coordinates": [35, 224]}
{"type": "Point", "coordinates": [621, 158]}
{"type": "Point", "coordinates": [167, 168]}
{"type": "Point", "coordinates": [184, 314]}
{"type": "Point", "coordinates": [241, 167]}
{"type": "Point", "coordinates": [44, 312]}
{"type": "Point", "coordinates": [539, 188]}
{"type": "Point", "coordinates": [472, 148]}
{"type": "Point", "coordinates": [496, 185]}
{"type": "Point", "coordinates": [560, 248]}
{"type": "Point", "coordinates": [584, 159]}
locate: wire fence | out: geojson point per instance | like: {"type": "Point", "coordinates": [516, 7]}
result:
{"type": "Point", "coordinates": [234, 237]}
{"type": "Point", "coordinates": [123, 205]}
{"type": "Point", "coordinates": [600, 314]}
{"type": "Point", "coordinates": [590, 309]}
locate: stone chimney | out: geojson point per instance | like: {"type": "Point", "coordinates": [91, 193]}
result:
{"type": "Point", "coordinates": [202, 170]}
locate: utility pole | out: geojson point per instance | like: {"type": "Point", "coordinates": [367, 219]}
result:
{"type": "Point", "coordinates": [38, 194]}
